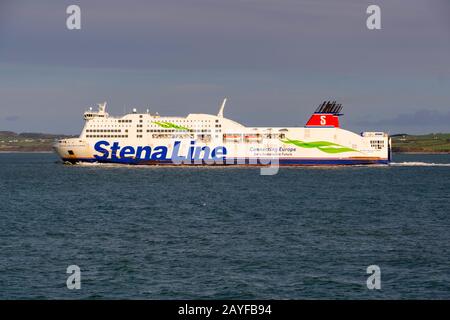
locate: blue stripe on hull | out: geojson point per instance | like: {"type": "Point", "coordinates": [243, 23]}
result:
{"type": "Point", "coordinates": [282, 162]}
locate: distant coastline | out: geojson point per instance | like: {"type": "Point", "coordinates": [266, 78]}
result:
{"type": "Point", "coordinates": [433, 143]}
{"type": "Point", "coordinates": [12, 142]}
{"type": "Point", "coordinates": [13, 151]}
{"type": "Point", "coordinates": [422, 152]}
{"type": "Point", "coordinates": [28, 141]}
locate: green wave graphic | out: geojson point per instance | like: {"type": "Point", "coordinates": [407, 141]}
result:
{"type": "Point", "coordinates": [169, 125]}
{"type": "Point", "coordinates": [325, 146]}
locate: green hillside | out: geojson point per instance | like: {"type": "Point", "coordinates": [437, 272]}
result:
{"type": "Point", "coordinates": [434, 142]}
{"type": "Point", "coordinates": [27, 141]}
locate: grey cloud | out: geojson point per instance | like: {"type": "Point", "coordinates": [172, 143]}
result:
{"type": "Point", "coordinates": [418, 118]}
{"type": "Point", "coordinates": [12, 118]}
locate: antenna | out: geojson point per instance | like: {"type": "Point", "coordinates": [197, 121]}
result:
{"type": "Point", "coordinates": [220, 114]}
{"type": "Point", "coordinates": [101, 107]}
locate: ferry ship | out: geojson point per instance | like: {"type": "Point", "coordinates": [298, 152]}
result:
{"type": "Point", "coordinates": [204, 139]}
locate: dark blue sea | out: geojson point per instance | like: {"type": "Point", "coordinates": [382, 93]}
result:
{"type": "Point", "coordinates": [224, 233]}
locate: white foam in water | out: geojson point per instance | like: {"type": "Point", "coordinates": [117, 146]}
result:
{"type": "Point", "coordinates": [144, 166]}
{"type": "Point", "coordinates": [98, 164]}
{"type": "Point", "coordinates": [393, 164]}
{"type": "Point", "coordinates": [419, 164]}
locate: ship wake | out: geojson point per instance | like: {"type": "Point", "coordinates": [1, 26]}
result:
{"type": "Point", "coordinates": [419, 164]}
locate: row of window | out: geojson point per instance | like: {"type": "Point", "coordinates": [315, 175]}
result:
{"type": "Point", "coordinates": [377, 144]}
{"type": "Point", "coordinates": [109, 126]}
{"type": "Point", "coordinates": [139, 131]}
{"type": "Point", "coordinates": [254, 136]}
{"type": "Point", "coordinates": [176, 121]}
{"type": "Point", "coordinates": [140, 120]}
{"type": "Point", "coordinates": [106, 136]}
{"type": "Point", "coordinates": [105, 130]}
{"type": "Point", "coordinates": [91, 115]}
{"type": "Point", "coordinates": [237, 137]}
{"type": "Point", "coordinates": [171, 130]}
{"type": "Point", "coordinates": [173, 136]}
{"type": "Point", "coordinates": [141, 126]}
{"type": "Point", "coordinates": [205, 137]}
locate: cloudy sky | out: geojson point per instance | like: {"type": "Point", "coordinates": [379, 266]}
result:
{"type": "Point", "coordinates": [276, 60]}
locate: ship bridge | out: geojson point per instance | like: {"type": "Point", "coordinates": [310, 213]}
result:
{"type": "Point", "coordinates": [101, 113]}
